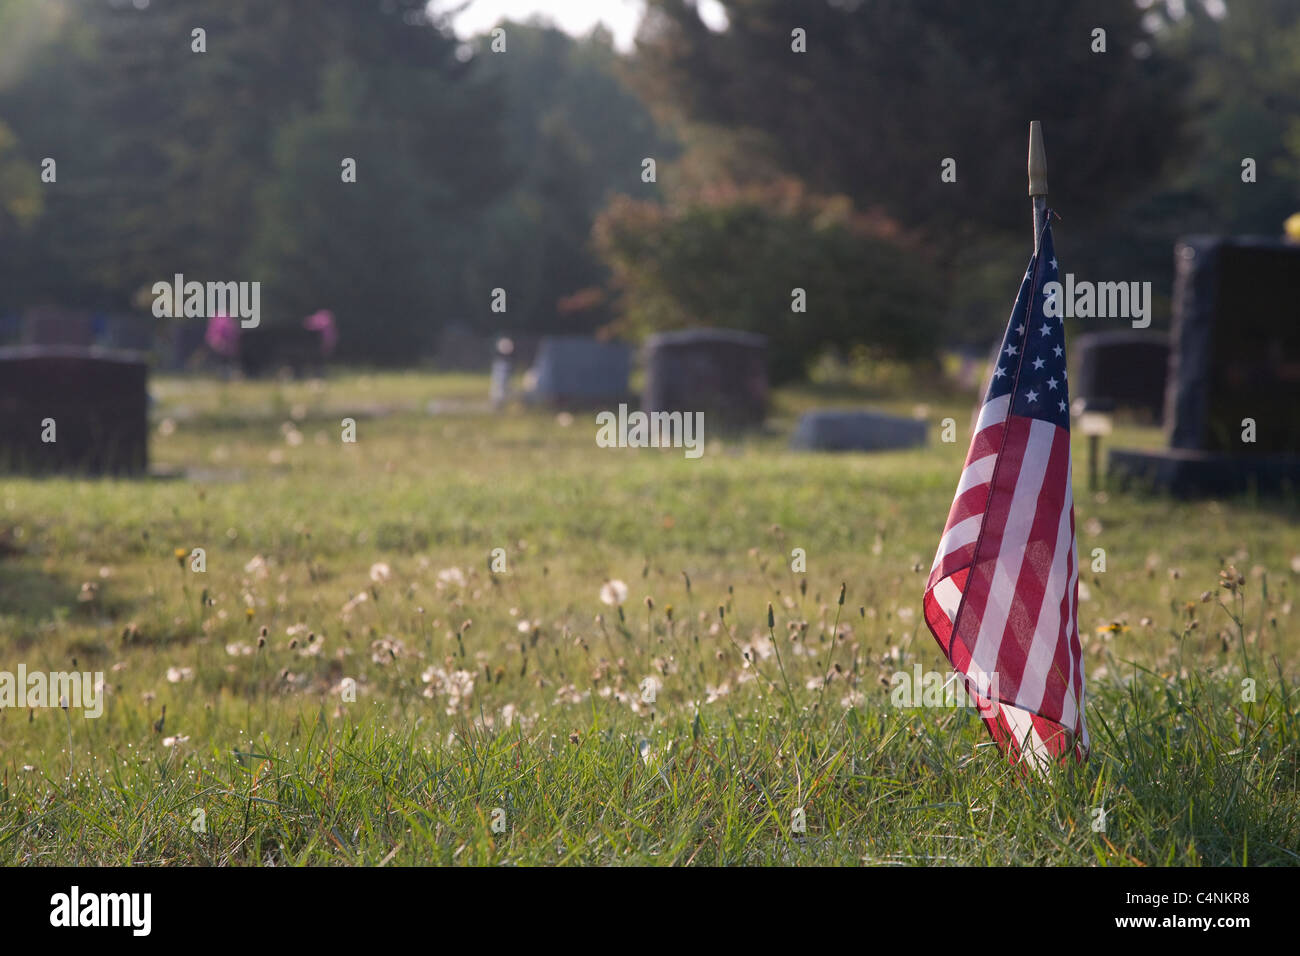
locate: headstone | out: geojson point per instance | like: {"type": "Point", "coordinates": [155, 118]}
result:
{"type": "Point", "coordinates": [576, 370]}
{"type": "Point", "coordinates": [1124, 369]}
{"type": "Point", "coordinates": [856, 430]}
{"type": "Point", "coordinates": [721, 372]}
{"type": "Point", "coordinates": [267, 350]}
{"type": "Point", "coordinates": [92, 402]}
{"type": "Point", "coordinates": [1235, 362]}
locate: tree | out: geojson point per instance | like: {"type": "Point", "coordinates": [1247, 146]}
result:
{"type": "Point", "coordinates": [382, 253]}
{"type": "Point", "coordinates": [575, 136]}
{"type": "Point", "coordinates": [807, 272]}
{"type": "Point", "coordinates": [225, 163]}
{"type": "Point", "coordinates": [1246, 103]}
{"type": "Point", "coordinates": [888, 89]}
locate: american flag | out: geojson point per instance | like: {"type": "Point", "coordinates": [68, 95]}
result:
{"type": "Point", "coordinates": [1002, 597]}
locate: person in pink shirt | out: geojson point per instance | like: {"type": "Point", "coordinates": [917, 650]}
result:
{"type": "Point", "coordinates": [222, 335]}
{"type": "Point", "coordinates": [323, 322]}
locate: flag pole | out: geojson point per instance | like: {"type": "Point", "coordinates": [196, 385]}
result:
{"type": "Point", "coordinates": [1038, 194]}
{"type": "Point", "coordinates": [1037, 178]}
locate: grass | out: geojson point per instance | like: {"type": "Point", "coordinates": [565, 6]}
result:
{"type": "Point", "coordinates": [522, 692]}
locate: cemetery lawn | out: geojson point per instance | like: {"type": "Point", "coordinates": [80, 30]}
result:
{"type": "Point", "coordinates": [523, 691]}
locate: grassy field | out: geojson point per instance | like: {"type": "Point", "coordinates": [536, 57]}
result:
{"type": "Point", "coordinates": [520, 697]}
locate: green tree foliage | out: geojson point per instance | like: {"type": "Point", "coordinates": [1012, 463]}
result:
{"type": "Point", "coordinates": [478, 170]}
{"type": "Point", "coordinates": [225, 164]}
{"type": "Point", "coordinates": [474, 170]}
{"type": "Point", "coordinates": [1243, 100]}
{"type": "Point", "coordinates": [1245, 103]}
{"type": "Point", "coordinates": [734, 260]}
{"type": "Point", "coordinates": [575, 136]}
{"type": "Point", "coordinates": [374, 251]}
{"type": "Point", "coordinates": [889, 88]}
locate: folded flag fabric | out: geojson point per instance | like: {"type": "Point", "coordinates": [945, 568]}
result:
{"type": "Point", "coordinates": [1002, 596]}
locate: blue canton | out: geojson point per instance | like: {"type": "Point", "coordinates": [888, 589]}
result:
{"type": "Point", "coordinates": [1031, 362]}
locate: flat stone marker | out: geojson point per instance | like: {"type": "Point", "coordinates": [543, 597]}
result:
{"type": "Point", "coordinates": [92, 402]}
{"type": "Point", "coordinates": [1123, 369]}
{"type": "Point", "coordinates": [721, 372]}
{"type": "Point", "coordinates": [577, 370]}
{"type": "Point", "coordinates": [856, 430]}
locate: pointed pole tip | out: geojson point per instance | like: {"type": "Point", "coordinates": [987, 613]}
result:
{"type": "Point", "coordinates": [1037, 160]}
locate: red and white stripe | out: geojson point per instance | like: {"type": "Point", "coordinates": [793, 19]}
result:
{"type": "Point", "coordinates": [1002, 595]}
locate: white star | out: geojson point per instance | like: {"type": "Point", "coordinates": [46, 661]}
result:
{"type": "Point", "coordinates": [1020, 329]}
{"type": "Point", "coordinates": [1052, 383]}
{"type": "Point", "coordinates": [1031, 395]}
{"type": "Point", "coordinates": [1038, 363]}
{"type": "Point", "coordinates": [1057, 351]}
{"type": "Point", "coordinates": [1053, 263]}
{"type": "Point", "coordinates": [1011, 350]}
{"type": "Point", "coordinates": [1060, 406]}
{"type": "Point", "coordinates": [1046, 329]}
{"type": "Point", "coordinates": [999, 373]}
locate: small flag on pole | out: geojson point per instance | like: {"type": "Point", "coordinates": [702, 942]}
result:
{"type": "Point", "coordinates": [1002, 597]}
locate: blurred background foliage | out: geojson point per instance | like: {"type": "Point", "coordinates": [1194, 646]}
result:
{"type": "Point", "coordinates": [523, 169]}
{"type": "Point", "coordinates": [733, 257]}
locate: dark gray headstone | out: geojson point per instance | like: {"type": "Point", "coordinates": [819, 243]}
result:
{"type": "Point", "coordinates": [575, 370]}
{"type": "Point", "coordinates": [721, 372]}
{"type": "Point", "coordinates": [97, 399]}
{"type": "Point", "coordinates": [856, 430]}
{"type": "Point", "coordinates": [1125, 369]}
{"type": "Point", "coordinates": [1235, 356]}
{"type": "Point", "coordinates": [1237, 335]}
{"type": "Point", "coordinates": [268, 350]}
